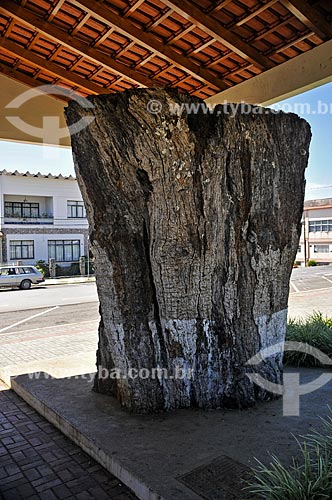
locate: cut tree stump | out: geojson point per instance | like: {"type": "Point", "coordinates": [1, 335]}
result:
{"type": "Point", "coordinates": [194, 221]}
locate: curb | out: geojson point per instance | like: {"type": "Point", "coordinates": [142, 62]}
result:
{"type": "Point", "coordinates": [68, 281]}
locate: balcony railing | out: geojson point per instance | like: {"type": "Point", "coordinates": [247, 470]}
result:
{"type": "Point", "coordinates": [42, 220]}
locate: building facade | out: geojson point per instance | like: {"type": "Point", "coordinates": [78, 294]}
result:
{"type": "Point", "coordinates": [316, 237]}
{"type": "Point", "coordinates": [41, 217]}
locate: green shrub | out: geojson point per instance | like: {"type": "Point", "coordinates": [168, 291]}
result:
{"type": "Point", "coordinates": [307, 478]}
{"type": "Point", "coordinates": [316, 331]}
{"type": "Point", "coordinates": [42, 266]}
{"type": "Point", "coordinates": [312, 263]}
{"type": "Point", "coordinates": [322, 439]}
{"type": "Point", "coordinates": [72, 270]}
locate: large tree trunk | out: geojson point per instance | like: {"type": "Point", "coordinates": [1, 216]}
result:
{"type": "Point", "coordinates": [195, 223]}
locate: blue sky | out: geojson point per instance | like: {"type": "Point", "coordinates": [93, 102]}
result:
{"type": "Point", "coordinates": [317, 110]}
{"type": "Point", "coordinates": [315, 106]}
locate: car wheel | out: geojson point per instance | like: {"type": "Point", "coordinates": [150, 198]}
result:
{"type": "Point", "coordinates": [25, 285]}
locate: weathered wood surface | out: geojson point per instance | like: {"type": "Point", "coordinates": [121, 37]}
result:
{"type": "Point", "coordinates": [194, 223]}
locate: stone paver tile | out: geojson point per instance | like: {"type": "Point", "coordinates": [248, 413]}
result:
{"type": "Point", "coordinates": [37, 462]}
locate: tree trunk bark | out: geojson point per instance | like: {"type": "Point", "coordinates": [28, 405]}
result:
{"type": "Point", "coordinates": [194, 223]}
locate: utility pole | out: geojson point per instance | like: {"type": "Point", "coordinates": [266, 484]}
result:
{"type": "Point", "coordinates": [305, 241]}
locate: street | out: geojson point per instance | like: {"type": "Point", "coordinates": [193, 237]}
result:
{"type": "Point", "coordinates": [46, 296]}
{"type": "Point", "coordinates": [47, 323]}
{"type": "Point", "coordinates": [46, 307]}
{"type": "Point", "coordinates": [58, 321]}
{"type": "Point", "coordinates": [310, 290]}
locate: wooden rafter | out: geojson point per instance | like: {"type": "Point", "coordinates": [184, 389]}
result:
{"type": "Point", "coordinates": [198, 49]}
{"type": "Point", "coordinates": [179, 34]}
{"type": "Point", "coordinates": [55, 52]}
{"type": "Point", "coordinates": [33, 41]}
{"type": "Point", "coordinates": [149, 41]}
{"type": "Point", "coordinates": [102, 38]}
{"type": "Point", "coordinates": [218, 5]}
{"type": "Point", "coordinates": [256, 12]}
{"type": "Point", "coordinates": [274, 27]}
{"type": "Point", "coordinates": [133, 7]}
{"type": "Point", "coordinates": [293, 42]}
{"type": "Point", "coordinates": [160, 19]}
{"type": "Point", "coordinates": [10, 27]}
{"type": "Point", "coordinates": [80, 24]}
{"type": "Point", "coordinates": [26, 55]}
{"type": "Point", "coordinates": [310, 17]}
{"type": "Point", "coordinates": [206, 23]}
{"type": "Point", "coordinates": [55, 9]}
{"type": "Point", "coordinates": [51, 31]}
{"type": "Point", "coordinates": [143, 61]}
{"type": "Point", "coordinates": [125, 48]}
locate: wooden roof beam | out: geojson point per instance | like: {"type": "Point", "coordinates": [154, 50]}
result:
{"type": "Point", "coordinates": [102, 38]}
{"type": "Point", "coordinates": [133, 7]}
{"type": "Point", "coordinates": [55, 9]}
{"type": "Point", "coordinates": [80, 24]}
{"type": "Point", "coordinates": [218, 5]}
{"type": "Point", "coordinates": [299, 74]}
{"type": "Point", "coordinates": [51, 31]}
{"type": "Point", "coordinates": [49, 66]}
{"type": "Point", "coordinates": [149, 41]}
{"type": "Point", "coordinates": [190, 12]}
{"type": "Point", "coordinates": [256, 12]}
{"type": "Point", "coordinates": [310, 17]}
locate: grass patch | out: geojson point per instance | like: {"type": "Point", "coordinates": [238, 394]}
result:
{"type": "Point", "coordinates": [316, 330]}
{"type": "Point", "coordinates": [308, 478]}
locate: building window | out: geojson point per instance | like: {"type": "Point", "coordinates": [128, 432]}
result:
{"type": "Point", "coordinates": [299, 249]}
{"type": "Point", "coordinates": [320, 225]}
{"type": "Point", "coordinates": [75, 209]}
{"type": "Point", "coordinates": [64, 250]}
{"type": "Point", "coordinates": [321, 248]}
{"type": "Point", "coordinates": [21, 209]}
{"type": "Point", "coordinates": [21, 249]}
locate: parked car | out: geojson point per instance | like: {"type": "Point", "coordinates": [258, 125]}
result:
{"type": "Point", "coordinates": [20, 276]}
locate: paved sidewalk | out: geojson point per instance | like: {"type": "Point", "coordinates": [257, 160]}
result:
{"type": "Point", "coordinates": [38, 462]}
{"type": "Point", "coordinates": [48, 342]}
{"type": "Point", "coordinates": [59, 350]}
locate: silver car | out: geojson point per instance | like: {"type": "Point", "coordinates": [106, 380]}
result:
{"type": "Point", "coordinates": [20, 276]}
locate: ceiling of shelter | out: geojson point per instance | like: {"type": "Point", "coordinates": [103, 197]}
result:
{"type": "Point", "coordinates": [201, 47]}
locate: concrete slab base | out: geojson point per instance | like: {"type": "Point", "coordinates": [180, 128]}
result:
{"type": "Point", "coordinates": [167, 456]}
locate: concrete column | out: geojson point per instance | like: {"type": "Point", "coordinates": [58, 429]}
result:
{"type": "Point", "coordinates": [82, 266]}
{"type": "Point", "coordinates": [52, 268]}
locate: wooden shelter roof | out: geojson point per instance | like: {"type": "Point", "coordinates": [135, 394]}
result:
{"type": "Point", "coordinates": [200, 47]}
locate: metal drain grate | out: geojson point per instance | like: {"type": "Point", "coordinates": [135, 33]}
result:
{"type": "Point", "coordinates": [222, 479]}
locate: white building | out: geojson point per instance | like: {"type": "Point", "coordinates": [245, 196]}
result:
{"type": "Point", "coordinates": [41, 217]}
{"type": "Point", "coordinates": [316, 238]}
